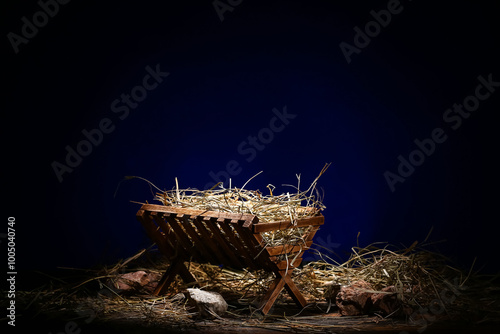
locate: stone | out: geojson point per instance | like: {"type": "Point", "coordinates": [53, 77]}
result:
{"type": "Point", "coordinates": [388, 302]}
{"type": "Point", "coordinates": [137, 281]}
{"type": "Point", "coordinates": [331, 291]}
{"type": "Point", "coordinates": [209, 304]}
{"type": "Point", "coordinates": [355, 299]}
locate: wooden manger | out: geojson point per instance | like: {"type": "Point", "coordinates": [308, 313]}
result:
{"type": "Point", "coordinates": [234, 240]}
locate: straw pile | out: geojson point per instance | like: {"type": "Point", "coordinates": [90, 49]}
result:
{"type": "Point", "coordinates": [419, 275]}
{"type": "Point", "coordinates": [289, 206]}
{"type": "Point", "coordinates": [417, 278]}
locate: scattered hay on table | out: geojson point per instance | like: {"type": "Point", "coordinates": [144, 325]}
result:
{"type": "Point", "coordinates": [420, 275]}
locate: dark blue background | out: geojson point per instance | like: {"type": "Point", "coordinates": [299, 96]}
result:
{"type": "Point", "coordinates": [225, 79]}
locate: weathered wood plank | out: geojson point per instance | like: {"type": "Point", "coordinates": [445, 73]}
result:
{"type": "Point", "coordinates": [205, 255]}
{"type": "Point", "coordinates": [195, 212]}
{"type": "Point", "coordinates": [237, 242]}
{"type": "Point", "coordinates": [290, 264]}
{"type": "Point", "coordinates": [176, 267]}
{"type": "Point", "coordinates": [293, 291]}
{"type": "Point", "coordinates": [286, 249]}
{"type": "Point", "coordinates": [254, 248]}
{"type": "Point", "coordinates": [286, 224]}
{"type": "Point", "coordinates": [312, 233]}
{"type": "Point", "coordinates": [181, 236]}
{"type": "Point", "coordinates": [271, 295]}
{"type": "Point", "coordinates": [234, 262]}
{"type": "Point", "coordinates": [168, 233]}
{"type": "Point", "coordinates": [208, 241]}
{"type": "Point", "coordinates": [154, 234]}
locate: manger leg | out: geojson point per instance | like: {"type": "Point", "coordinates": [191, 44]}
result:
{"type": "Point", "coordinates": [164, 282]}
{"type": "Point", "coordinates": [272, 294]}
{"type": "Point", "coordinates": [185, 274]}
{"type": "Point", "coordinates": [293, 291]}
{"type": "Point", "coordinates": [168, 277]}
{"type": "Point", "coordinates": [176, 267]}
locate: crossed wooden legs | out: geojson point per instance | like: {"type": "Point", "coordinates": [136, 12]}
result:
{"type": "Point", "coordinates": [176, 267]}
{"type": "Point", "coordinates": [282, 279]}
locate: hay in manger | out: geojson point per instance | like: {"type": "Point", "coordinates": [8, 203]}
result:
{"type": "Point", "coordinates": [236, 228]}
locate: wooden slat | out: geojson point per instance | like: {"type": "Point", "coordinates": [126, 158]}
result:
{"type": "Point", "coordinates": [254, 249]}
{"type": "Point", "coordinates": [177, 267]}
{"type": "Point", "coordinates": [260, 240]}
{"type": "Point", "coordinates": [271, 295]}
{"type": "Point", "coordinates": [154, 234]}
{"type": "Point", "coordinates": [285, 224]}
{"type": "Point", "coordinates": [234, 262]}
{"type": "Point", "coordinates": [194, 212]}
{"type": "Point", "coordinates": [169, 236]}
{"type": "Point", "coordinates": [282, 265]}
{"type": "Point", "coordinates": [250, 222]}
{"type": "Point", "coordinates": [311, 234]}
{"type": "Point", "coordinates": [205, 254]}
{"type": "Point", "coordinates": [182, 238]}
{"type": "Point", "coordinates": [289, 256]}
{"type": "Point", "coordinates": [293, 291]}
{"type": "Point", "coordinates": [240, 248]}
{"type": "Point", "coordinates": [207, 240]}
{"type": "Point", "coordinates": [285, 249]}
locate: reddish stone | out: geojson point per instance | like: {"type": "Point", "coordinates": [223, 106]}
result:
{"type": "Point", "coordinates": [137, 281]}
{"type": "Point", "coordinates": [355, 299]}
{"type": "Point", "coordinates": [389, 303]}
{"type": "Point", "coordinates": [387, 300]}
{"type": "Point", "coordinates": [331, 291]}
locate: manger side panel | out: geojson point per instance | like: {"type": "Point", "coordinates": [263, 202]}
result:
{"type": "Point", "coordinates": [209, 243]}
{"type": "Point", "coordinates": [204, 252]}
{"type": "Point", "coordinates": [286, 249]}
{"type": "Point", "coordinates": [311, 234]}
{"type": "Point", "coordinates": [184, 240]}
{"type": "Point", "coordinates": [171, 209]}
{"type": "Point", "coordinates": [257, 253]}
{"type": "Point", "coordinates": [240, 248]}
{"type": "Point", "coordinates": [155, 235]}
{"type": "Point", "coordinates": [146, 222]}
{"type": "Point", "coordinates": [285, 224]}
{"type": "Point", "coordinates": [196, 212]}
{"type": "Point", "coordinates": [290, 256]}
{"type": "Point", "coordinates": [168, 234]}
{"type": "Point", "coordinates": [223, 245]}
{"type": "Point", "coordinates": [290, 264]}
